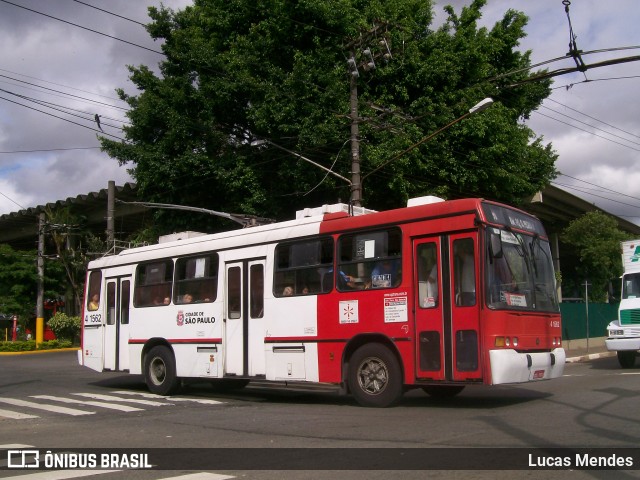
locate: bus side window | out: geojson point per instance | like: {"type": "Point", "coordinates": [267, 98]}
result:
{"type": "Point", "coordinates": [256, 286]}
{"type": "Point", "coordinates": [370, 260]}
{"type": "Point", "coordinates": [153, 283]}
{"type": "Point", "coordinates": [196, 279]}
{"type": "Point", "coordinates": [234, 291]}
{"type": "Point", "coordinates": [303, 268]}
{"type": "Point", "coordinates": [93, 298]}
{"type": "Point", "coordinates": [427, 275]}
{"type": "Point", "coordinates": [464, 272]}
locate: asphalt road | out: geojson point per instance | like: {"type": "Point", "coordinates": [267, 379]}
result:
{"type": "Point", "coordinates": [593, 405]}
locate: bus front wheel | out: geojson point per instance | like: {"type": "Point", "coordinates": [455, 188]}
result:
{"type": "Point", "coordinates": [626, 358]}
{"type": "Point", "coordinates": [375, 377]}
{"type": "Point", "coordinates": [160, 371]}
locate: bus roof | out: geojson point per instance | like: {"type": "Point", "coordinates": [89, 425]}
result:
{"type": "Point", "coordinates": [333, 218]}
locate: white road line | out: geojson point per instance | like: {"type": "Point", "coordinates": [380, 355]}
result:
{"type": "Point", "coordinates": [200, 476]}
{"type": "Point", "coordinates": [112, 406]}
{"type": "Point", "coordinates": [15, 415]}
{"type": "Point", "coordinates": [111, 398]}
{"type": "Point", "coordinates": [62, 474]}
{"type": "Point", "coordinates": [204, 401]}
{"type": "Point", "coordinates": [47, 407]}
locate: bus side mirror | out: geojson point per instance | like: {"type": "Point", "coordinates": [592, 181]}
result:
{"type": "Point", "coordinates": [496, 245]}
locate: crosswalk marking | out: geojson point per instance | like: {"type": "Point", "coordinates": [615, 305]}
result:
{"type": "Point", "coordinates": [15, 415]}
{"type": "Point", "coordinates": [200, 476]}
{"type": "Point", "coordinates": [204, 401]}
{"type": "Point", "coordinates": [46, 407]}
{"type": "Point", "coordinates": [110, 401]}
{"type": "Point", "coordinates": [111, 398]}
{"type": "Point", "coordinates": [112, 406]}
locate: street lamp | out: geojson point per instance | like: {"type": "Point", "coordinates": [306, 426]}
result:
{"type": "Point", "coordinates": [257, 143]}
{"type": "Point", "coordinates": [478, 107]}
{"type": "Point", "coordinates": [356, 183]}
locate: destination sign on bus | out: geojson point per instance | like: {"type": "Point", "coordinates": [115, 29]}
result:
{"type": "Point", "coordinates": [512, 218]}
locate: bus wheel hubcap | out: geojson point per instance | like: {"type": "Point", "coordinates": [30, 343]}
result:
{"type": "Point", "coordinates": [373, 376]}
{"type": "Point", "coordinates": [158, 371]}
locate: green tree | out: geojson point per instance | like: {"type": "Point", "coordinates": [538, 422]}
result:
{"type": "Point", "coordinates": [18, 282]}
{"type": "Point", "coordinates": [238, 70]}
{"type": "Point", "coordinates": [595, 239]}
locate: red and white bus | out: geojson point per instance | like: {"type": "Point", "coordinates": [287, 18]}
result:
{"type": "Point", "coordinates": [438, 295]}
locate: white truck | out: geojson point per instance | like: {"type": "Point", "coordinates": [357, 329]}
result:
{"type": "Point", "coordinates": [624, 332]}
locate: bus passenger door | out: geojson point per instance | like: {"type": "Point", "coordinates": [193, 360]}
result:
{"type": "Point", "coordinates": [428, 309]}
{"type": "Point", "coordinates": [244, 319]}
{"type": "Point", "coordinates": [116, 328]}
{"type": "Point", "coordinates": [462, 325]}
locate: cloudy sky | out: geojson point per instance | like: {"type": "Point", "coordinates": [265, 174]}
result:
{"type": "Point", "coordinates": [55, 76]}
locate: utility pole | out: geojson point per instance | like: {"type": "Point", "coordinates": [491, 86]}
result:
{"type": "Point", "coordinates": [586, 303]}
{"type": "Point", "coordinates": [111, 208]}
{"type": "Point", "coordinates": [356, 187]}
{"type": "Point", "coordinates": [362, 56]}
{"type": "Point", "coordinates": [40, 282]}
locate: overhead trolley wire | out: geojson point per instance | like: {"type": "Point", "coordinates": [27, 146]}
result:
{"type": "Point", "coordinates": [83, 27]}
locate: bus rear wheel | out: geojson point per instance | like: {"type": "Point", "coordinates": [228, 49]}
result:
{"type": "Point", "coordinates": [160, 371]}
{"type": "Point", "coordinates": [442, 391]}
{"type": "Point", "coordinates": [375, 377]}
{"type": "Point", "coordinates": [627, 358]}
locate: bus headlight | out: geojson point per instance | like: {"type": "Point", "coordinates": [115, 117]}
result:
{"type": "Point", "coordinates": [614, 333]}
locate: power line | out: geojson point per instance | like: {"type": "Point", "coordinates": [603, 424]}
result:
{"type": "Point", "coordinates": [50, 150]}
{"type": "Point", "coordinates": [592, 126]}
{"type": "Point", "coordinates": [63, 93]}
{"type": "Point", "coordinates": [593, 118]}
{"type": "Point", "coordinates": [61, 118]}
{"type": "Point", "coordinates": [62, 109]}
{"type": "Point", "coordinates": [82, 27]}
{"type": "Point", "coordinates": [56, 84]}
{"type": "Point", "coordinates": [591, 133]}
{"type": "Point", "coordinates": [110, 13]}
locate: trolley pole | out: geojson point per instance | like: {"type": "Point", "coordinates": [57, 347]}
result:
{"type": "Point", "coordinates": [40, 284]}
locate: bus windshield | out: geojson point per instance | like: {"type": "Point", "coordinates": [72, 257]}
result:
{"type": "Point", "coordinates": [520, 273]}
{"type": "Point", "coordinates": [631, 286]}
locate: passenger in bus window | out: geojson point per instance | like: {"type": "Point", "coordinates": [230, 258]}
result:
{"type": "Point", "coordinates": [386, 274]}
{"type": "Point", "coordinates": [288, 291]}
{"type": "Point", "coordinates": [305, 290]}
{"type": "Point", "coordinates": [187, 298]}
{"type": "Point", "coordinates": [94, 302]}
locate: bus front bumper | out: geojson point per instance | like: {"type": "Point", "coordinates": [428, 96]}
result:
{"type": "Point", "coordinates": [621, 344]}
{"type": "Point", "coordinates": [509, 366]}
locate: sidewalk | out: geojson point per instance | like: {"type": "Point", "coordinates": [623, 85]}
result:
{"type": "Point", "coordinates": [579, 351]}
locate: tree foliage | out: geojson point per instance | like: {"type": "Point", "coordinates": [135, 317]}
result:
{"type": "Point", "coordinates": [18, 282]}
{"type": "Point", "coordinates": [239, 70]}
{"type": "Point", "coordinates": [65, 327]}
{"type": "Point", "coordinates": [595, 239]}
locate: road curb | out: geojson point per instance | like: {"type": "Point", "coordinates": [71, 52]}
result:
{"type": "Point", "coordinates": [592, 356]}
{"type": "Point", "coordinates": [30, 352]}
